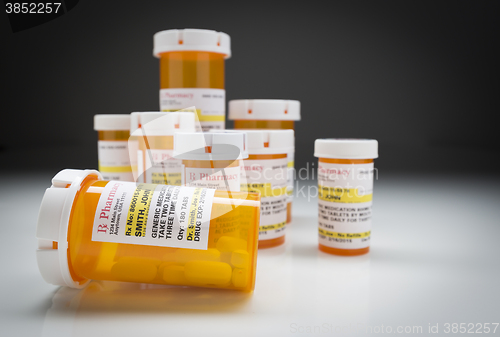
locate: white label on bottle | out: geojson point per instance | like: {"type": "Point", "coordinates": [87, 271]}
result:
{"type": "Point", "coordinates": [291, 175]}
{"type": "Point", "coordinates": [269, 177]}
{"type": "Point", "coordinates": [228, 178]}
{"type": "Point", "coordinates": [210, 104]}
{"type": "Point", "coordinates": [153, 215]}
{"type": "Point", "coordinates": [345, 205]}
{"type": "Point", "coordinates": [114, 160]}
{"type": "Point", "coordinates": [162, 168]}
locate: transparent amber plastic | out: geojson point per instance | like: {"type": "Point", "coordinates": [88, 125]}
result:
{"type": "Point", "coordinates": [114, 136]}
{"type": "Point", "coordinates": [338, 251]}
{"type": "Point", "coordinates": [193, 69]}
{"type": "Point", "coordinates": [228, 263]}
{"type": "Point", "coordinates": [268, 124]}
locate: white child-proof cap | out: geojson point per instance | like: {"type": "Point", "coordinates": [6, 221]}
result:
{"type": "Point", "coordinates": [269, 141]}
{"type": "Point", "coordinates": [111, 122]}
{"type": "Point", "coordinates": [264, 109]}
{"type": "Point", "coordinates": [192, 40]}
{"type": "Point", "coordinates": [53, 222]}
{"type": "Point", "coordinates": [348, 148]}
{"type": "Point", "coordinates": [221, 144]}
{"type": "Point", "coordinates": [166, 123]}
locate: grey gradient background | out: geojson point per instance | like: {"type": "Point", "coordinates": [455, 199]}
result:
{"type": "Point", "coordinates": [420, 77]}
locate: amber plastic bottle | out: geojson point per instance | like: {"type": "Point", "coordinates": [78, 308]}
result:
{"type": "Point", "coordinates": [113, 135]}
{"type": "Point", "coordinates": [345, 186]}
{"type": "Point", "coordinates": [192, 73]}
{"type": "Point", "coordinates": [71, 252]}
{"type": "Point", "coordinates": [265, 171]}
{"type": "Point", "coordinates": [269, 114]}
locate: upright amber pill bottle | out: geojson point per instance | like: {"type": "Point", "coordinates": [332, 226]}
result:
{"type": "Point", "coordinates": [345, 190]}
{"type": "Point", "coordinates": [112, 146]}
{"type": "Point", "coordinates": [265, 172]}
{"type": "Point", "coordinates": [192, 72]}
{"type": "Point", "coordinates": [91, 229]}
{"type": "Point", "coordinates": [155, 139]}
{"type": "Point", "coordinates": [269, 114]}
{"type": "Point", "coordinates": [211, 160]}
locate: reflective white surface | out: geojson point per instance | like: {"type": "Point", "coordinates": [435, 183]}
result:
{"type": "Point", "coordinates": [434, 259]}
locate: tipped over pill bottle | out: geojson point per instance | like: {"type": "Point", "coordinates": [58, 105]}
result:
{"type": "Point", "coordinates": [211, 160]}
{"type": "Point", "coordinates": [91, 229]}
{"type": "Point", "coordinates": [112, 146]}
{"type": "Point", "coordinates": [345, 191]}
{"type": "Point", "coordinates": [269, 114]}
{"type": "Point", "coordinates": [155, 138]}
{"type": "Point", "coordinates": [265, 171]}
{"type": "Point", "coordinates": [192, 73]}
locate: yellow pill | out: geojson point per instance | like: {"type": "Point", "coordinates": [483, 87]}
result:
{"type": "Point", "coordinates": [240, 277]}
{"type": "Point", "coordinates": [134, 269]}
{"type": "Point", "coordinates": [229, 244]}
{"type": "Point", "coordinates": [239, 258]}
{"type": "Point", "coordinates": [186, 255]}
{"type": "Point", "coordinates": [225, 257]}
{"type": "Point", "coordinates": [208, 272]}
{"type": "Point", "coordinates": [169, 255]}
{"type": "Point", "coordinates": [174, 274]}
{"type": "Point", "coordinates": [162, 266]}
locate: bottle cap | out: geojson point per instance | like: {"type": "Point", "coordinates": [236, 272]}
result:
{"type": "Point", "coordinates": [52, 227]}
{"type": "Point", "coordinates": [192, 40]}
{"type": "Point", "coordinates": [217, 145]}
{"type": "Point", "coordinates": [135, 122]}
{"type": "Point", "coordinates": [268, 141]}
{"type": "Point", "coordinates": [264, 109]}
{"type": "Point", "coordinates": [166, 123]}
{"type": "Point", "coordinates": [111, 122]}
{"type": "Point", "coordinates": [348, 148]}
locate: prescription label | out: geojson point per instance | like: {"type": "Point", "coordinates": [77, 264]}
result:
{"type": "Point", "coordinates": [345, 205]}
{"type": "Point", "coordinates": [114, 160]}
{"type": "Point", "coordinates": [290, 176]}
{"type": "Point", "coordinates": [153, 215]}
{"type": "Point", "coordinates": [228, 178]}
{"type": "Point", "coordinates": [269, 178]}
{"type": "Point", "coordinates": [210, 104]}
{"type": "Point", "coordinates": [161, 168]}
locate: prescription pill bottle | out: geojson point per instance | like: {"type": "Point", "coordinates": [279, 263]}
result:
{"type": "Point", "coordinates": [91, 229]}
{"type": "Point", "coordinates": [192, 72]}
{"type": "Point", "coordinates": [112, 146]}
{"type": "Point", "coordinates": [269, 114]}
{"type": "Point", "coordinates": [155, 139]}
{"type": "Point", "coordinates": [265, 172]}
{"type": "Point", "coordinates": [211, 160]}
{"type": "Point", "coordinates": [133, 144]}
{"type": "Point", "coordinates": [345, 190]}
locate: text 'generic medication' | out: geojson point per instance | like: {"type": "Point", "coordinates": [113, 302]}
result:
{"type": "Point", "coordinates": [269, 114]}
{"type": "Point", "coordinates": [155, 146]}
{"type": "Point", "coordinates": [112, 146]}
{"type": "Point", "coordinates": [265, 171]}
{"type": "Point", "coordinates": [192, 73]}
{"type": "Point", "coordinates": [91, 229]}
{"type": "Point", "coordinates": [211, 160]}
{"type": "Point", "coordinates": [345, 184]}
